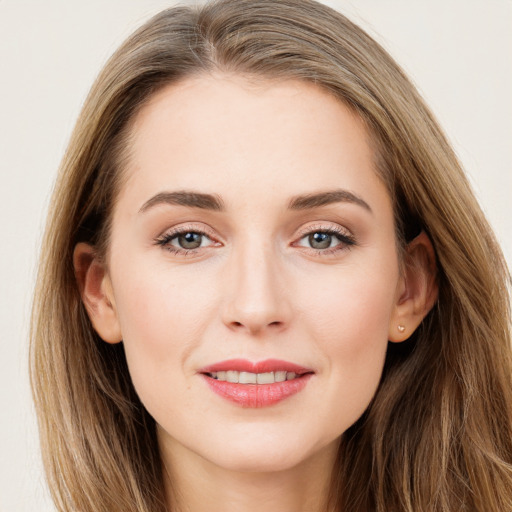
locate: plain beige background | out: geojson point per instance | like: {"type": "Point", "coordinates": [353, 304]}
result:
{"type": "Point", "coordinates": [458, 52]}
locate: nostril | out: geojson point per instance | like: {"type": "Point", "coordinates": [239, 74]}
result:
{"type": "Point", "coordinates": [255, 327]}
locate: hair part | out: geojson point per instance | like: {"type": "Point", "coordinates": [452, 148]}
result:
{"type": "Point", "coordinates": [438, 433]}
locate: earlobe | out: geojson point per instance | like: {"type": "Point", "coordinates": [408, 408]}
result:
{"type": "Point", "coordinates": [96, 292]}
{"type": "Point", "coordinates": [417, 290]}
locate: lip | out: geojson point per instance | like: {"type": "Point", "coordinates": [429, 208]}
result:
{"type": "Point", "coordinates": [256, 395]}
{"type": "Point", "coordinates": [243, 365]}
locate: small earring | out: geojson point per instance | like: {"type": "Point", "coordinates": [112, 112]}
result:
{"type": "Point", "coordinates": [401, 328]}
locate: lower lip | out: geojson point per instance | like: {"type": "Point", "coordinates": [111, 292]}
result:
{"type": "Point", "coordinates": [257, 395]}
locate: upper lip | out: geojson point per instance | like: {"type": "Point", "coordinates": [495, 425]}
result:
{"type": "Point", "coordinates": [244, 365]}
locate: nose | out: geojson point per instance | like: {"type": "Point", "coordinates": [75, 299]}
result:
{"type": "Point", "coordinates": [256, 299]}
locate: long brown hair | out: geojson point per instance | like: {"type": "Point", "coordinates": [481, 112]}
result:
{"type": "Point", "coordinates": [438, 434]}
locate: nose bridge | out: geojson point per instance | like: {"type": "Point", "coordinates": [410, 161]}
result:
{"type": "Point", "coordinates": [257, 297]}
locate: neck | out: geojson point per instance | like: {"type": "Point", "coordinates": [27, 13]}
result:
{"type": "Point", "coordinates": [194, 484]}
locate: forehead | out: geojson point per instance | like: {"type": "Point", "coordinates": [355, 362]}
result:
{"type": "Point", "coordinates": [221, 133]}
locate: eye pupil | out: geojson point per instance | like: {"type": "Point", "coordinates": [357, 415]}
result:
{"type": "Point", "coordinates": [190, 240]}
{"type": "Point", "coordinates": [320, 240]}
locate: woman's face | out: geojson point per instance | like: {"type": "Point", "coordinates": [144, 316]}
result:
{"type": "Point", "coordinates": [252, 240]}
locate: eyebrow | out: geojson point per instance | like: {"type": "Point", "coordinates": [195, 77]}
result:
{"type": "Point", "coordinates": [310, 201]}
{"type": "Point", "coordinates": [185, 198]}
{"type": "Point", "coordinates": [215, 203]}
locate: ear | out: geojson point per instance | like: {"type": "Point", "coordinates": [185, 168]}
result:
{"type": "Point", "coordinates": [417, 289]}
{"type": "Point", "coordinates": [97, 294]}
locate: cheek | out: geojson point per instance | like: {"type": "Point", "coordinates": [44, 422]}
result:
{"type": "Point", "coordinates": [349, 321]}
{"type": "Point", "coordinates": [158, 301]}
{"type": "Point", "coordinates": [162, 318]}
{"type": "Point", "coordinates": [352, 306]}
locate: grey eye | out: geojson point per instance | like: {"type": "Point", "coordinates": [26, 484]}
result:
{"type": "Point", "coordinates": [320, 240]}
{"type": "Point", "coordinates": [180, 242]}
{"type": "Point", "coordinates": [190, 240]}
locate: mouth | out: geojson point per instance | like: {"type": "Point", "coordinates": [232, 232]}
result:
{"type": "Point", "coordinates": [260, 384]}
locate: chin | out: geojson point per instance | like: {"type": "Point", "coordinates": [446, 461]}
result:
{"type": "Point", "coordinates": [259, 462]}
{"type": "Point", "coordinates": [266, 453]}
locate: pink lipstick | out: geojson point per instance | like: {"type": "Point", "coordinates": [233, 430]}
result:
{"type": "Point", "coordinates": [256, 384]}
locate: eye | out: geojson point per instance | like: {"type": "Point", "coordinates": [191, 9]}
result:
{"type": "Point", "coordinates": [183, 241]}
{"type": "Point", "coordinates": [321, 240]}
{"type": "Point", "coordinates": [189, 240]}
{"type": "Point", "coordinates": [326, 240]}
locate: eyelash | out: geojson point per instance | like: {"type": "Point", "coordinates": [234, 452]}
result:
{"type": "Point", "coordinates": [346, 240]}
{"type": "Point", "coordinates": [166, 239]}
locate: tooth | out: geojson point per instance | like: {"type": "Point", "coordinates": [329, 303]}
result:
{"type": "Point", "coordinates": [280, 376]}
{"type": "Point", "coordinates": [236, 377]}
{"type": "Point", "coordinates": [232, 376]}
{"type": "Point", "coordinates": [247, 378]}
{"type": "Point", "coordinates": [265, 378]}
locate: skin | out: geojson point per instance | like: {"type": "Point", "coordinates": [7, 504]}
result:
{"type": "Point", "coordinates": [256, 288]}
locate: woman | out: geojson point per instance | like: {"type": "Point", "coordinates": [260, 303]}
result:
{"type": "Point", "coordinates": [254, 203]}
